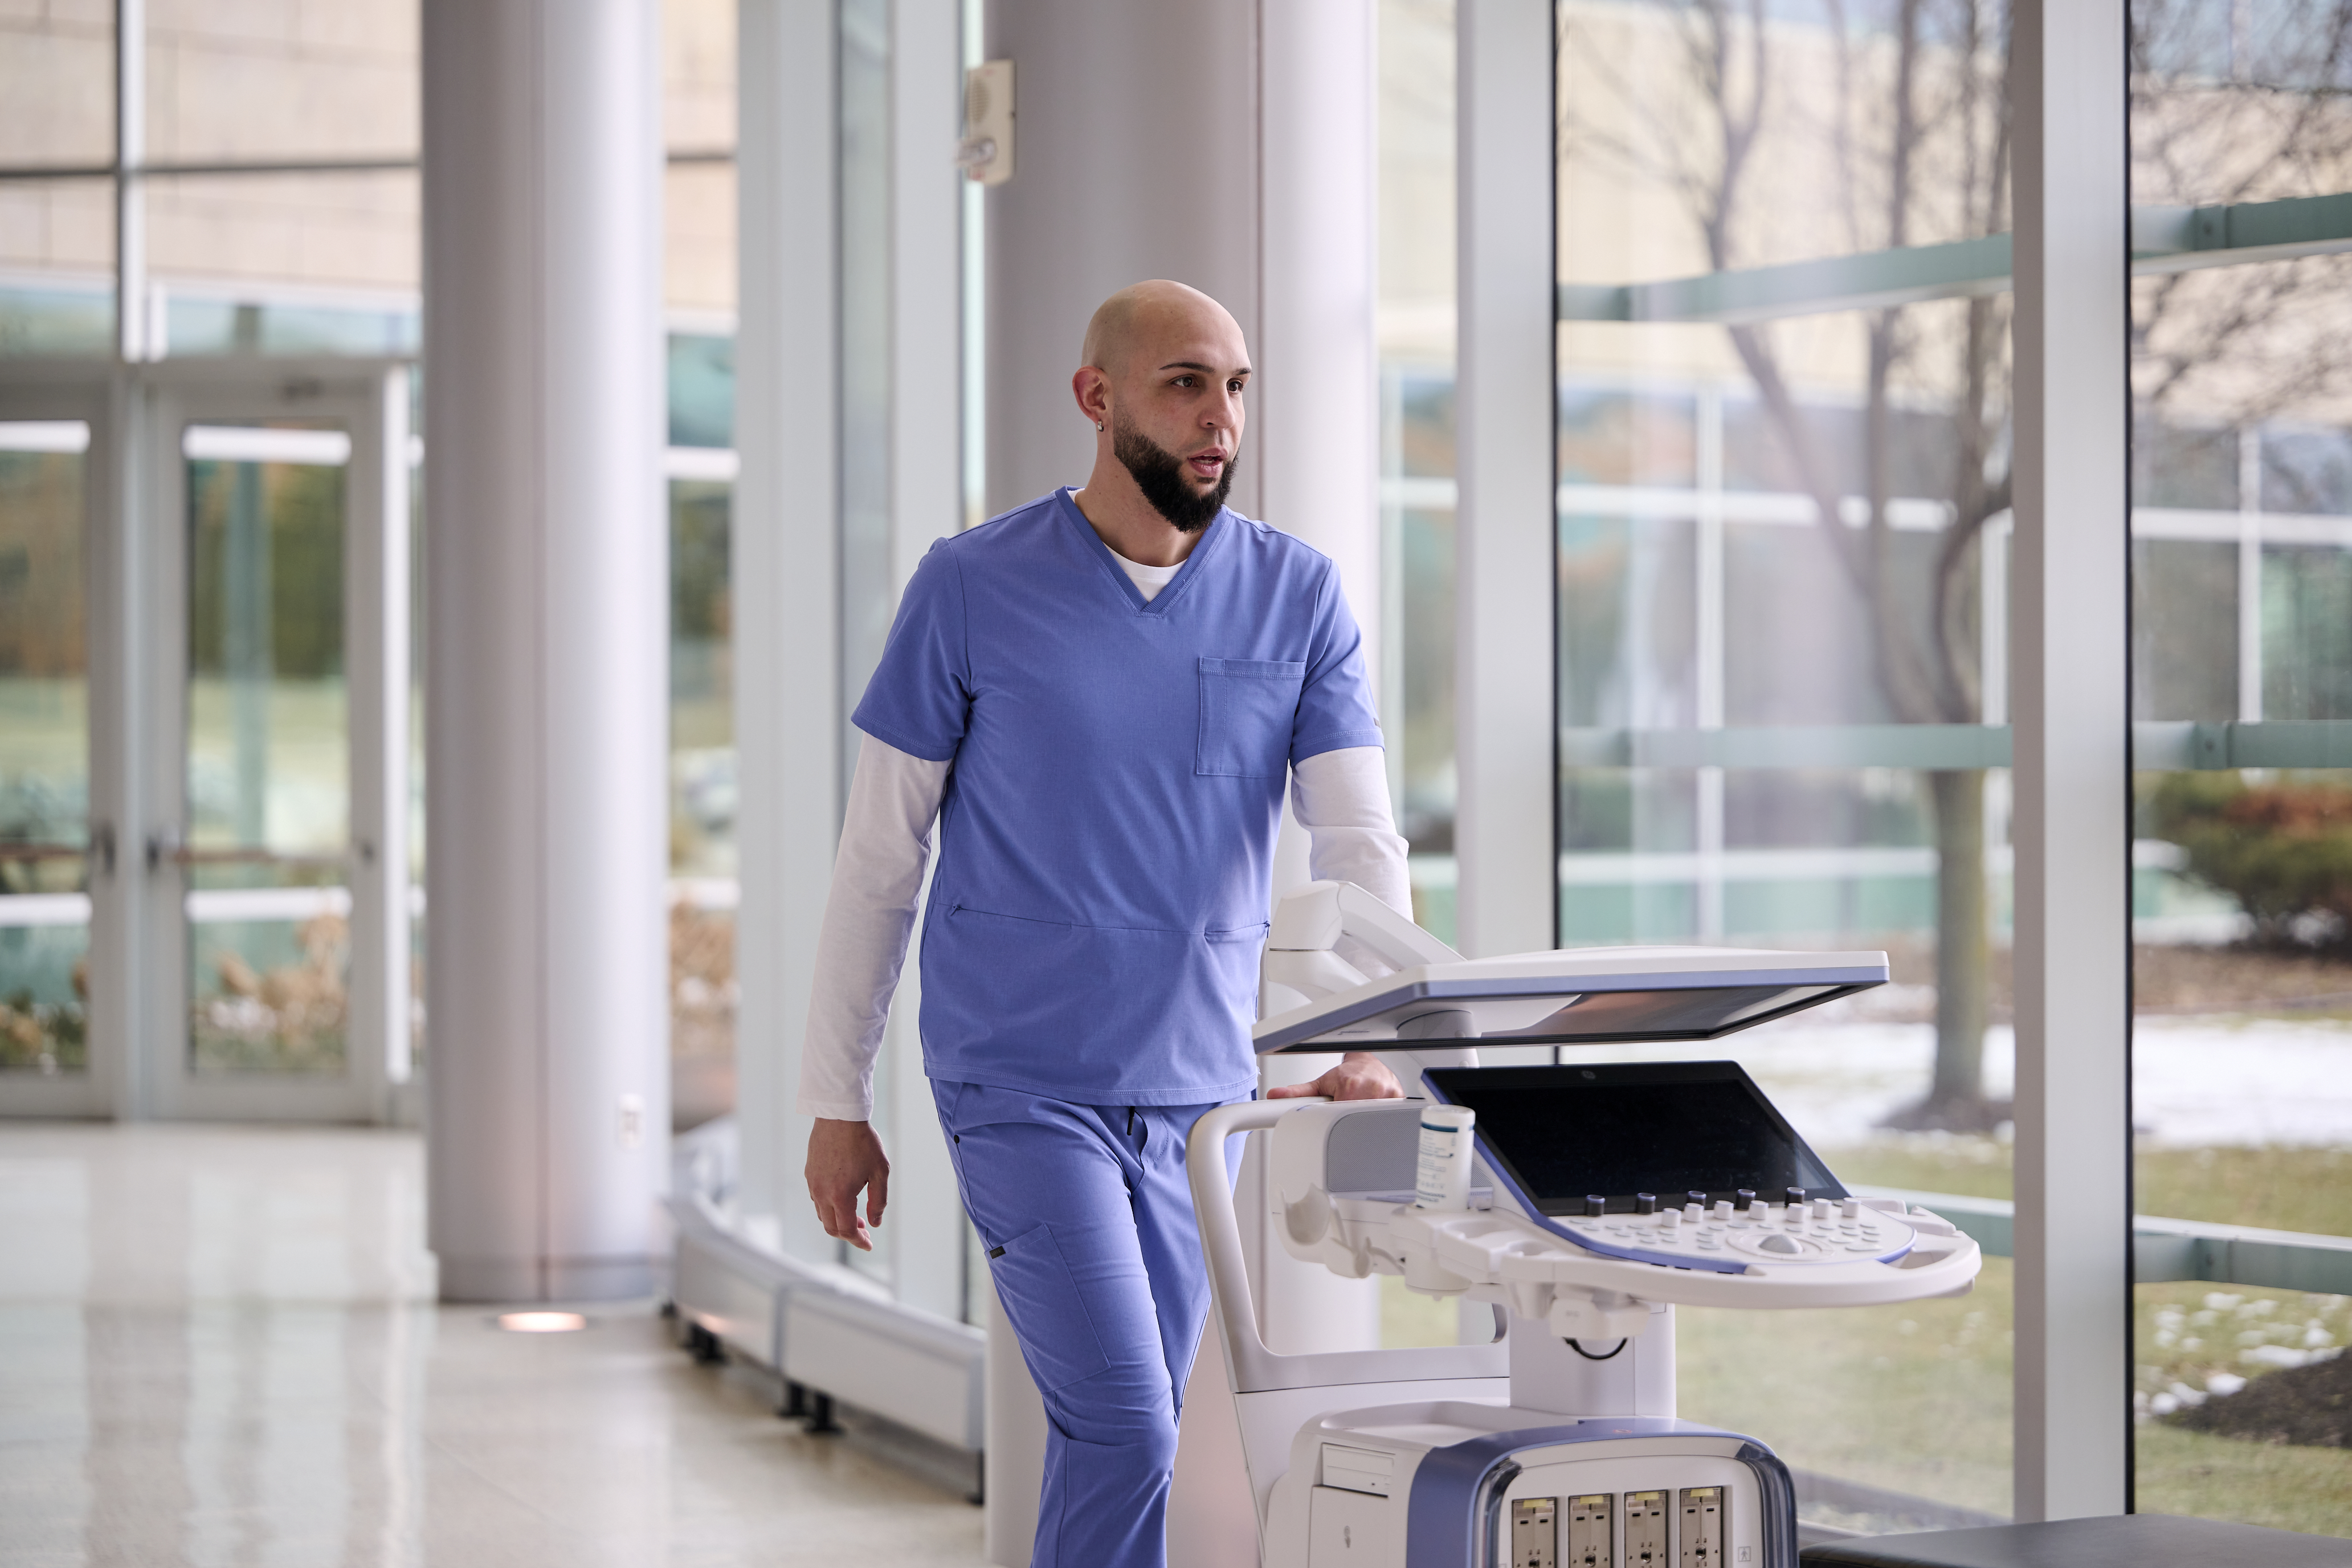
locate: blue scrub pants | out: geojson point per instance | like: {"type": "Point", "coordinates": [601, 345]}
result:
{"type": "Point", "coordinates": [1087, 1220]}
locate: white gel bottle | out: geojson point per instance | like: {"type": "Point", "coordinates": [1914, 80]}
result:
{"type": "Point", "coordinates": [1444, 1175]}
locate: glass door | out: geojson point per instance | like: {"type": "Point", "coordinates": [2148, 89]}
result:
{"type": "Point", "coordinates": [48, 486]}
{"type": "Point", "coordinates": [281, 985]}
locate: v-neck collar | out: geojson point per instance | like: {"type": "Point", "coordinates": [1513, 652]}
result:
{"type": "Point", "coordinates": [1158, 604]}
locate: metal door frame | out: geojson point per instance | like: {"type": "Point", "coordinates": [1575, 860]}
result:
{"type": "Point", "coordinates": [89, 393]}
{"type": "Point", "coordinates": [135, 554]}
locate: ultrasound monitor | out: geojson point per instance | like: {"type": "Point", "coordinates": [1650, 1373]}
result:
{"type": "Point", "coordinates": [1614, 995]}
{"type": "Point", "coordinates": [1559, 1135]}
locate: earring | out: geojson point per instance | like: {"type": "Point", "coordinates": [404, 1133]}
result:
{"type": "Point", "coordinates": [1098, 425]}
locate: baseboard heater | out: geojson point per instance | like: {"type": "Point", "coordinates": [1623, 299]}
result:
{"type": "Point", "coordinates": [818, 1325]}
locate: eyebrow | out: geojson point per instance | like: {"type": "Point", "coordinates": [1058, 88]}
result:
{"type": "Point", "coordinates": [1203, 369]}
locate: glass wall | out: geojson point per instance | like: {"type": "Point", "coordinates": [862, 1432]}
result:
{"type": "Point", "coordinates": [267, 774]}
{"type": "Point", "coordinates": [868, 596]}
{"type": "Point", "coordinates": [1416, 327]}
{"type": "Point", "coordinates": [44, 750]}
{"type": "Point", "coordinates": [1782, 494]}
{"type": "Point", "coordinates": [702, 800]}
{"type": "Point", "coordinates": [2241, 587]}
{"type": "Point", "coordinates": [256, 252]}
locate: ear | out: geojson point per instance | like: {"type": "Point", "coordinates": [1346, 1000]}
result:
{"type": "Point", "coordinates": [1091, 387]}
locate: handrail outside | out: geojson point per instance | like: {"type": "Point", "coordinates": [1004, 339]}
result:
{"type": "Point", "coordinates": [1255, 1368]}
{"type": "Point", "coordinates": [2166, 1250]}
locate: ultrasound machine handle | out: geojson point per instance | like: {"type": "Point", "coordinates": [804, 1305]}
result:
{"type": "Point", "coordinates": [1256, 1368]}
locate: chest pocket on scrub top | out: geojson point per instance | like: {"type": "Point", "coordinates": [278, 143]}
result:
{"type": "Point", "coordinates": [1247, 708]}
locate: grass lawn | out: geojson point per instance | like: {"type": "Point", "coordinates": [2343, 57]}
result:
{"type": "Point", "coordinates": [1916, 1398]}
{"type": "Point", "coordinates": [1911, 1398]}
{"type": "Point", "coordinates": [2308, 1489]}
{"type": "Point", "coordinates": [2280, 1188]}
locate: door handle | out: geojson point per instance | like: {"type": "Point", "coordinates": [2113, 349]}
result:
{"type": "Point", "coordinates": [166, 848]}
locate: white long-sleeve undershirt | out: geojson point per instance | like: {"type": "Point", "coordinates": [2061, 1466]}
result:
{"type": "Point", "coordinates": [1341, 798]}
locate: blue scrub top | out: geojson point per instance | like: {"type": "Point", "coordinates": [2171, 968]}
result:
{"type": "Point", "coordinates": [1106, 837]}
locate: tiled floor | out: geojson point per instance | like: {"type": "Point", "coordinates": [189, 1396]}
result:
{"type": "Point", "coordinates": [217, 1347]}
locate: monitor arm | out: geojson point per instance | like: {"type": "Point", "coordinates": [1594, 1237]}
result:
{"type": "Point", "coordinates": [1302, 963]}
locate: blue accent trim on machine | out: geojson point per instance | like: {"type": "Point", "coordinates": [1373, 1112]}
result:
{"type": "Point", "coordinates": [1453, 1487]}
{"type": "Point", "coordinates": [1780, 1493]}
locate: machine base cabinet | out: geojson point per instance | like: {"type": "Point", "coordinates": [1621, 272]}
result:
{"type": "Point", "coordinates": [1467, 1484]}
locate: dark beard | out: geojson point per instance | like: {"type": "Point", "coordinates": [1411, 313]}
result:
{"type": "Point", "coordinates": [1159, 475]}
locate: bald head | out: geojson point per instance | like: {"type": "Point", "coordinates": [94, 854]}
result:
{"type": "Point", "coordinates": [1163, 382]}
{"type": "Point", "coordinates": [1144, 315]}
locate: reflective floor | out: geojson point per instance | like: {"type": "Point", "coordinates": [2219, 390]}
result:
{"type": "Point", "coordinates": [218, 1346]}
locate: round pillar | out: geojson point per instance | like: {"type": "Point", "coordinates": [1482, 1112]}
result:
{"type": "Point", "coordinates": [1228, 145]}
{"type": "Point", "coordinates": [545, 648]}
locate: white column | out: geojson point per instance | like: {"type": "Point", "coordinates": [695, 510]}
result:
{"type": "Point", "coordinates": [125, 893]}
{"type": "Point", "coordinates": [925, 1236]}
{"type": "Point", "coordinates": [1315, 426]}
{"type": "Point", "coordinates": [1107, 192]}
{"type": "Point", "coordinates": [1316, 423]}
{"type": "Point", "coordinates": [132, 313]}
{"type": "Point", "coordinates": [1504, 659]}
{"type": "Point", "coordinates": [376, 670]}
{"type": "Point", "coordinates": [2071, 712]}
{"type": "Point", "coordinates": [1276, 103]}
{"type": "Point", "coordinates": [547, 1064]}
{"type": "Point", "coordinates": [2249, 576]}
{"type": "Point", "coordinates": [787, 583]}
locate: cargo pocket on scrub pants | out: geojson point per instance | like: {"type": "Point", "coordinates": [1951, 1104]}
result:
{"type": "Point", "coordinates": [1248, 707]}
{"type": "Point", "coordinates": [1058, 1336]}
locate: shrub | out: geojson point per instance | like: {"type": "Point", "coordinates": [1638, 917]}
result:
{"type": "Point", "coordinates": [2284, 850]}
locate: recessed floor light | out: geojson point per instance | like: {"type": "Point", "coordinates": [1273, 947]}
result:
{"type": "Point", "coordinates": [540, 1323]}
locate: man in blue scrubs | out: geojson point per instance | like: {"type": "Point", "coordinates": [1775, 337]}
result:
{"type": "Point", "coordinates": [1101, 696]}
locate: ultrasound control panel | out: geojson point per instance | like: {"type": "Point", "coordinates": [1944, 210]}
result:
{"type": "Point", "coordinates": [1682, 1164]}
{"type": "Point", "coordinates": [1819, 1230]}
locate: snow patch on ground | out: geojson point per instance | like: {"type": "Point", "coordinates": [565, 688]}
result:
{"type": "Point", "coordinates": [2197, 1082]}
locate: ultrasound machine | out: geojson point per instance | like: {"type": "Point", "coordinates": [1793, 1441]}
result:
{"type": "Point", "coordinates": [1599, 1196]}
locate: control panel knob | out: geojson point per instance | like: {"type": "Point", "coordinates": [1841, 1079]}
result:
{"type": "Point", "coordinates": [1821, 1208]}
{"type": "Point", "coordinates": [1595, 1206]}
{"type": "Point", "coordinates": [1698, 1200]}
{"type": "Point", "coordinates": [1723, 1208]}
{"type": "Point", "coordinates": [1747, 1198]}
{"type": "Point", "coordinates": [1672, 1219]}
{"type": "Point", "coordinates": [1852, 1208]}
{"type": "Point", "coordinates": [1645, 1203]}
{"type": "Point", "coordinates": [1796, 1198]}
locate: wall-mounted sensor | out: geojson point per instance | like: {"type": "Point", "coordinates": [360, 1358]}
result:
{"type": "Point", "coordinates": [986, 154]}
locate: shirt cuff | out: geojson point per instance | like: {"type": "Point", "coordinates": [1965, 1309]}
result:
{"type": "Point", "coordinates": [906, 744]}
{"type": "Point", "coordinates": [1332, 741]}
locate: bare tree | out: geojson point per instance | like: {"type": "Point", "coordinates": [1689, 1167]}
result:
{"type": "Point", "coordinates": [2228, 104]}
{"type": "Point", "coordinates": [1918, 151]}
{"type": "Point", "coordinates": [2233, 105]}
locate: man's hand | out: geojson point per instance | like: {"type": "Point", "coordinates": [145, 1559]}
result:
{"type": "Point", "coordinates": [1359, 1076]}
{"type": "Point", "coordinates": [843, 1157]}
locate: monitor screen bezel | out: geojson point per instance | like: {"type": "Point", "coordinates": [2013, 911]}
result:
{"type": "Point", "coordinates": [1329, 1031]}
